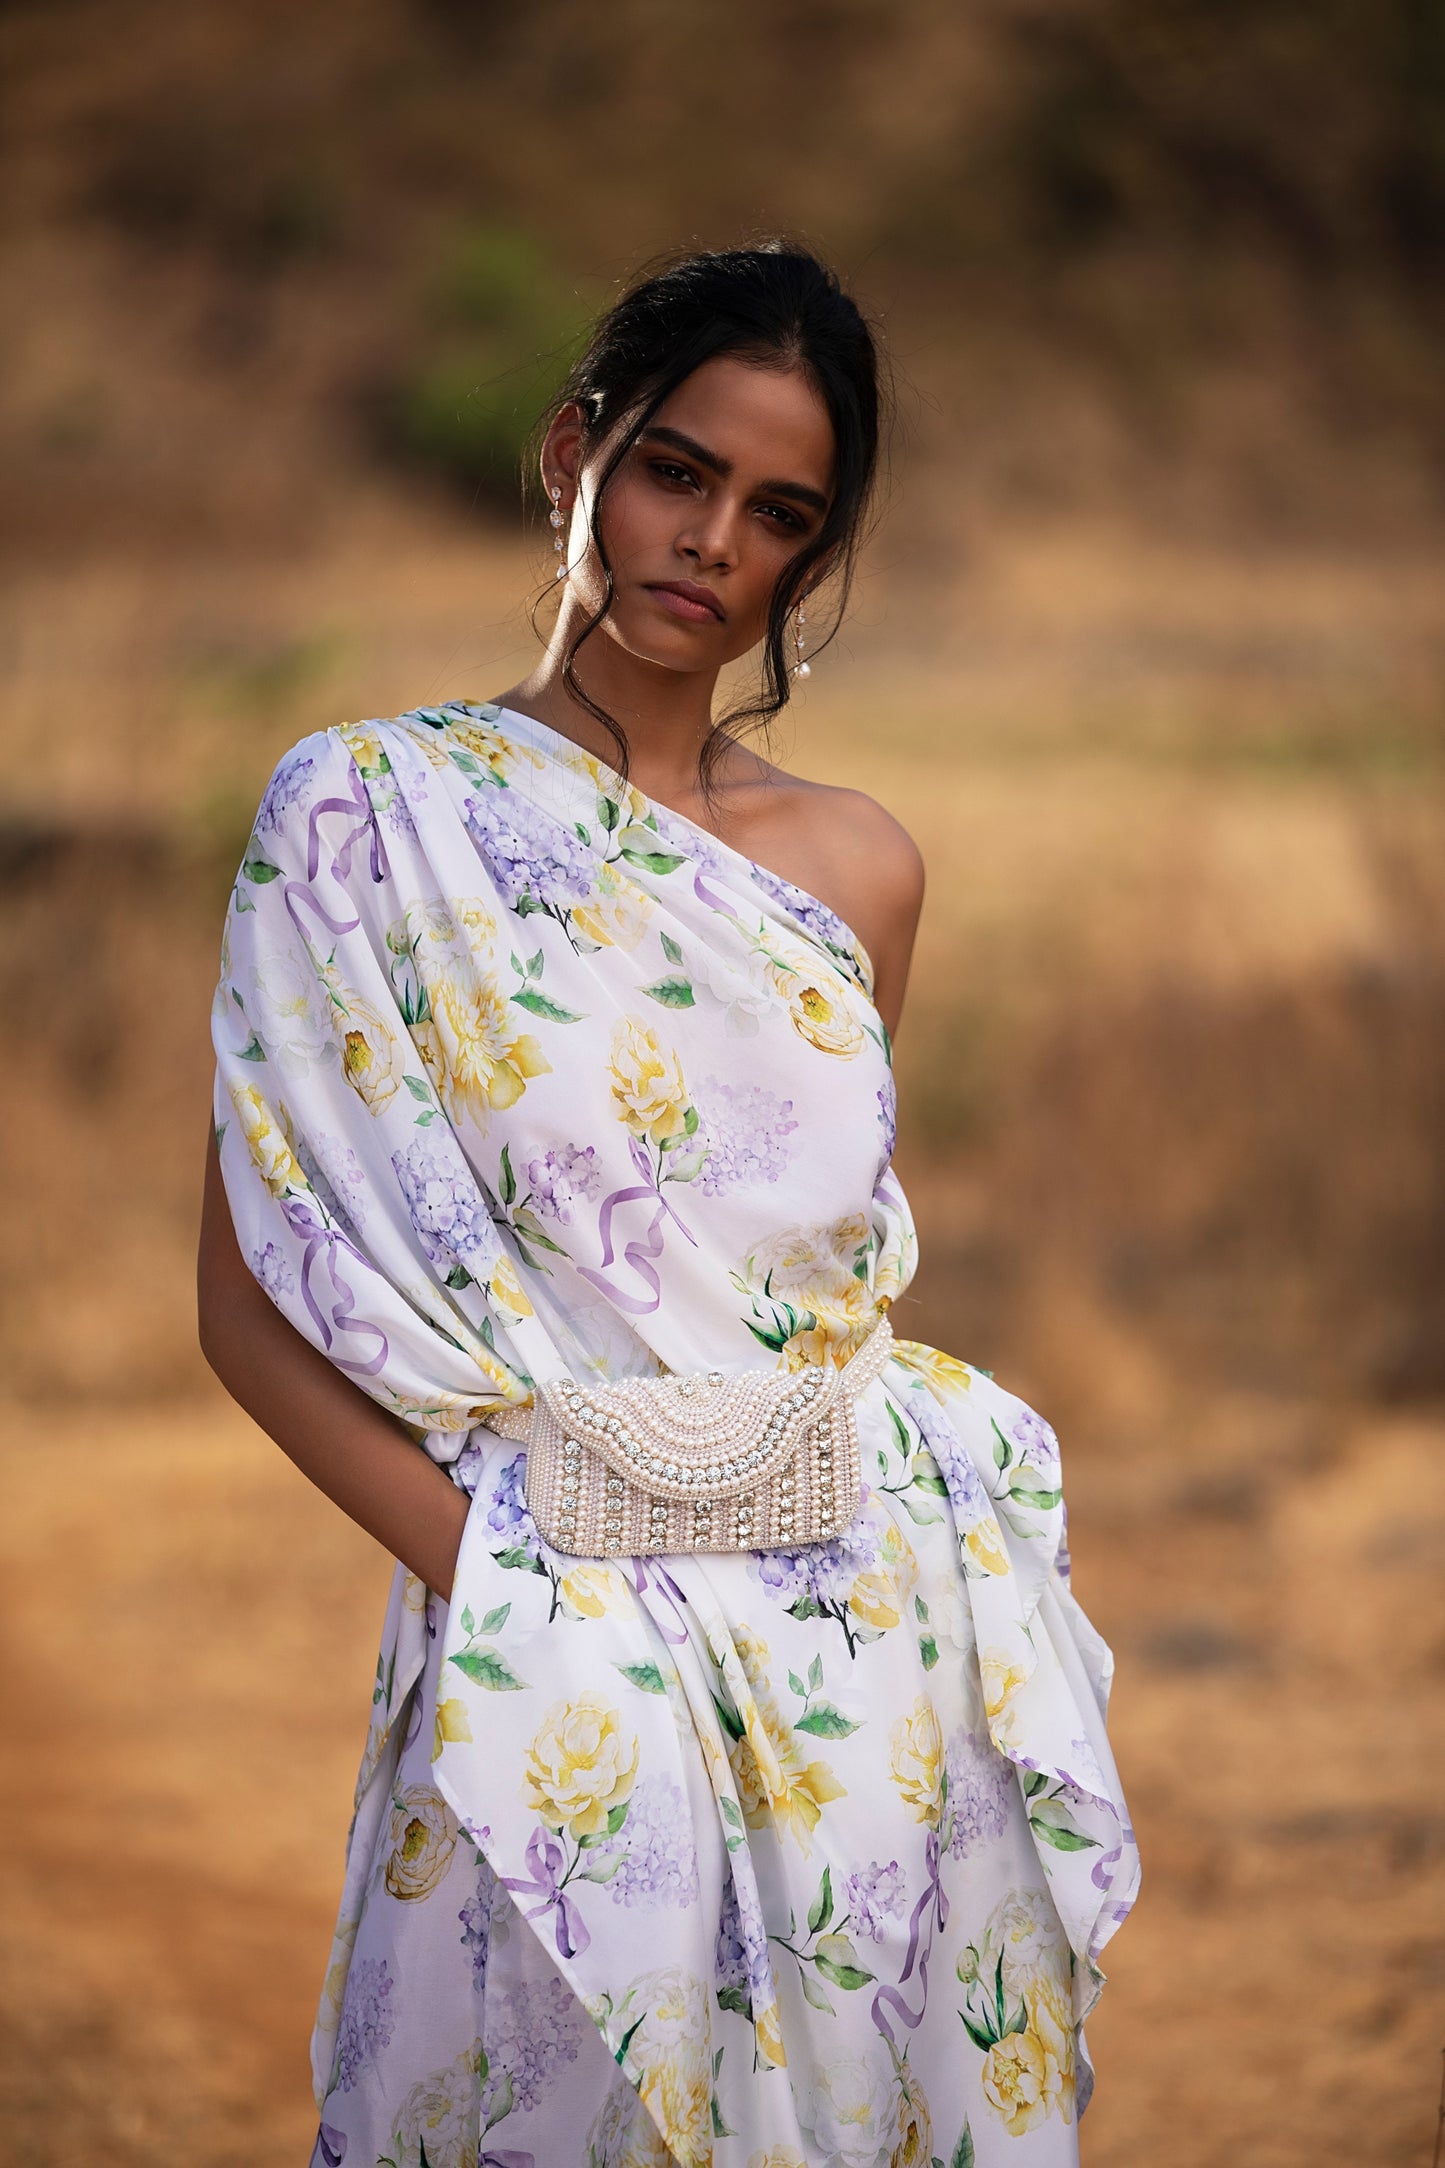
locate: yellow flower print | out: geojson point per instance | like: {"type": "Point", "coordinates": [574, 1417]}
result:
{"type": "Point", "coordinates": [679, 2094]}
{"type": "Point", "coordinates": [942, 1374]}
{"type": "Point", "coordinates": [774, 1782]}
{"type": "Point", "coordinates": [499, 753]}
{"type": "Point", "coordinates": [506, 1290]}
{"type": "Point", "coordinates": [778, 2156]}
{"type": "Point", "coordinates": [1002, 1676]}
{"type": "Point", "coordinates": [423, 1838]}
{"type": "Point", "coordinates": [629, 799]}
{"type": "Point", "coordinates": [821, 1013]}
{"type": "Point", "coordinates": [580, 1765]}
{"type": "Point", "coordinates": [451, 1726]}
{"type": "Point", "coordinates": [812, 1271]}
{"type": "Point", "coordinates": [916, 1761]}
{"type": "Point", "coordinates": [618, 913]}
{"type": "Point", "coordinates": [873, 1598]}
{"type": "Point", "coordinates": [768, 2031]}
{"type": "Point", "coordinates": [914, 2145]}
{"type": "Point", "coordinates": [363, 745]}
{"type": "Point", "coordinates": [592, 1591]}
{"type": "Point", "coordinates": [470, 1051]}
{"type": "Point", "coordinates": [826, 1021]}
{"type": "Point", "coordinates": [1023, 2082]}
{"type": "Point", "coordinates": [266, 1141]}
{"type": "Point", "coordinates": [984, 1545]}
{"type": "Point", "coordinates": [647, 1083]}
{"type": "Point", "coordinates": [372, 1059]}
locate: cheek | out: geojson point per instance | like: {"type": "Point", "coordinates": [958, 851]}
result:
{"type": "Point", "coordinates": [631, 520]}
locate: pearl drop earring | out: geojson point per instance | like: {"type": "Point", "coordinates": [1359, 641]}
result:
{"type": "Point", "coordinates": [800, 668]}
{"type": "Point", "coordinates": [558, 522]}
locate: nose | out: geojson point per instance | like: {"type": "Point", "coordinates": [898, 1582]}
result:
{"type": "Point", "coordinates": [710, 537]}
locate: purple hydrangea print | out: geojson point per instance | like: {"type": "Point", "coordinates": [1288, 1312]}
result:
{"type": "Point", "coordinates": [562, 1180]}
{"type": "Point", "coordinates": [814, 917]}
{"type": "Point", "coordinates": [282, 792]}
{"type": "Point", "coordinates": [334, 1172]}
{"type": "Point", "coordinates": [980, 1792]}
{"type": "Point", "coordinates": [874, 1895]}
{"type": "Point", "coordinates": [367, 2020]}
{"type": "Point", "coordinates": [656, 1863]}
{"type": "Point", "coordinates": [445, 1206]}
{"type": "Point", "coordinates": [507, 1515]}
{"type": "Point", "coordinates": [1035, 1439]}
{"type": "Point", "coordinates": [273, 1272]}
{"type": "Point", "coordinates": [689, 842]}
{"type": "Point", "coordinates": [825, 1572]}
{"type": "Point", "coordinates": [741, 1951]}
{"type": "Point", "coordinates": [532, 2031]}
{"type": "Point", "coordinates": [888, 1116]}
{"type": "Point", "coordinates": [954, 1463]}
{"type": "Point", "coordinates": [744, 1127]}
{"type": "Point", "coordinates": [476, 1919]}
{"type": "Point", "coordinates": [528, 851]}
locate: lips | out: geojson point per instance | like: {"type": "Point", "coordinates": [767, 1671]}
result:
{"type": "Point", "coordinates": [686, 598]}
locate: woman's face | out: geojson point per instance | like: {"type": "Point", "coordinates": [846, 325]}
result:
{"type": "Point", "coordinates": [729, 480]}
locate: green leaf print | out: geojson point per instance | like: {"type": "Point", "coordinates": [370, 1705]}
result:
{"type": "Point", "coordinates": [815, 1993]}
{"type": "Point", "coordinates": [671, 949]}
{"type": "Point", "coordinates": [1029, 1488]}
{"type": "Point", "coordinates": [1034, 1781]}
{"type": "Point", "coordinates": [653, 861]}
{"type": "Point", "coordinates": [469, 1624]}
{"type": "Point", "coordinates": [419, 1089]}
{"type": "Point", "coordinates": [821, 1909]}
{"type": "Point", "coordinates": [1050, 1822]}
{"type": "Point", "coordinates": [926, 1475]}
{"type": "Point", "coordinates": [509, 1180]}
{"type": "Point", "coordinates": [673, 993]}
{"type": "Point", "coordinates": [963, 2151]}
{"type": "Point", "coordinates": [647, 1677]}
{"type": "Point", "coordinates": [837, 1960]}
{"type": "Point", "coordinates": [493, 1622]}
{"type": "Point", "coordinates": [1003, 1452]}
{"type": "Point", "coordinates": [823, 1721]}
{"type": "Point", "coordinates": [502, 2099]}
{"type": "Point", "coordinates": [541, 1004]}
{"type": "Point", "coordinates": [815, 1674]}
{"type": "Point", "coordinates": [928, 1650]}
{"type": "Point", "coordinates": [253, 1050]}
{"type": "Point", "coordinates": [485, 1668]}
{"type": "Point", "coordinates": [260, 870]}
{"type": "Point", "coordinates": [609, 813]}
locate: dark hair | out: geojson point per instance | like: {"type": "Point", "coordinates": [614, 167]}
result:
{"type": "Point", "coordinates": [774, 303]}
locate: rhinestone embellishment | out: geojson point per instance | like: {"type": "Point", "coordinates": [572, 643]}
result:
{"type": "Point", "coordinates": [753, 1461]}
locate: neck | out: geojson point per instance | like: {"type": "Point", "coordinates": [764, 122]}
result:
{"type": "Point", "coordinates": [666, 714]}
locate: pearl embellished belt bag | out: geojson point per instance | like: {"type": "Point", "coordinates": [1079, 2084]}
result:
{"type": "Point", "coordinates": [761, 1460]}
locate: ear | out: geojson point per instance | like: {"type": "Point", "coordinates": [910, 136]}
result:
{"type": "Point", "coordinates": [561, 459]}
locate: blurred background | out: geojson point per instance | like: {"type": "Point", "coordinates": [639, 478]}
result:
{"type": "Point", "coordinates": [1149, 652]}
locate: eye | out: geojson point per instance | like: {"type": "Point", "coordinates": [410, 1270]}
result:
{"type": "Point", "coordinates": [789, 516]}
{"type": "Point", "coordinates": [671, 471]}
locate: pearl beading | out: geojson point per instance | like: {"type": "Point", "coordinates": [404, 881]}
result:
{"type": "Point", "coordinates": [756, 1461]}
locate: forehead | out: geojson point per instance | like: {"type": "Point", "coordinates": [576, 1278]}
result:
{"type": "Point", "coordinates": [769, 422]}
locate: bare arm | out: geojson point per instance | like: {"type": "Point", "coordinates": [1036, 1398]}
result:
{"type": "Point", "coordinates": [336, 1434]}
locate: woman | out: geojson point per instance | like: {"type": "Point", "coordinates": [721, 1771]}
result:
{"type": "Point", "coordinates": [731, 1832]}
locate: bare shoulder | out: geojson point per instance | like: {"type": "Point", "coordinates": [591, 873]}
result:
{"type": "Point", "coordinates": [849, 851]}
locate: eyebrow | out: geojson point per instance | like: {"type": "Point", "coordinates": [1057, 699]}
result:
{"type": "Point", "coordinates": [798, 491]}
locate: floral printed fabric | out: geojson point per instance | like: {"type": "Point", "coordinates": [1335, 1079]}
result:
{"type": "Point", "coordinates": [766, 1861]}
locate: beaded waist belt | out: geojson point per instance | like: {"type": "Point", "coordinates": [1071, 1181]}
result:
{"type": "Point", "coordinates": [761, 1460]}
